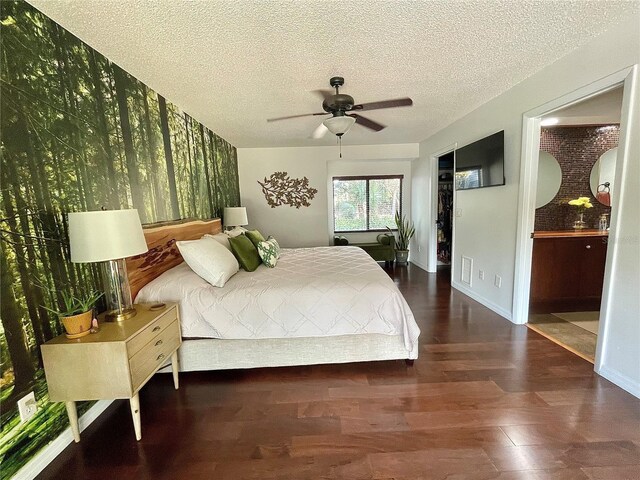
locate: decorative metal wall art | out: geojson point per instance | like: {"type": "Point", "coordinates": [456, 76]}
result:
{"type": "Point", "coordinates": [280, 189]}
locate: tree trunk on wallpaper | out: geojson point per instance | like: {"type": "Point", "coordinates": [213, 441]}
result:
{"type": "Point", "coordinates": [37, 297]}
{"type": "Point", "coordinates": [161, 212]}
{"type": "Point", "coordinates": [107, 152]}
{"type": "Point", "coordinates": [20, 239]}
{"type": "Point", "coordinates": [166, 138]}
{"type": "Point", "coordinates": [121, 81]}
{"type": "Point", "coordinates": [23, 369]}
{"type": "Point", "coordinates": [206, 170]}
{"type": "Point", "coordinates": [62, 71]}
{"type": "Point", "coordinates": [145, 157]}
{"type": "Point", "coordinates": [30, 291]}
{"type": "Point", "coordinates": [213, 147]}
{"type": "Point", "coordinates": [44, 205]}
{"type": "Point", "coordinates": [187, 125]}
{"type": "Point", "coordinates": [196, 172]}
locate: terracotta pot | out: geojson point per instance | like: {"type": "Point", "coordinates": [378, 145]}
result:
{"type": "Point", "coordinates": [78, 325]}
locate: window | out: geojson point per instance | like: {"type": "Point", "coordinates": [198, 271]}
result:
{"type": "Point", "coordinates": [365, 204]}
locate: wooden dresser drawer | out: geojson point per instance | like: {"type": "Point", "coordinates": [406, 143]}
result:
{"type": "Point", "coordinates": [154, 353]}
{"type": "Point", "coordinates": [151, 331]}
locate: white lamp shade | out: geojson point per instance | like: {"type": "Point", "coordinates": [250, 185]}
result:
{"type": "Point", "coordinates": [235, 216]}
{"type": "Point", "coordinates": [339, 125]}
{"type": "Point", "coordinates": [105, 235]}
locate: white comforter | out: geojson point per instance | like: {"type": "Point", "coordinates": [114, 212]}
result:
{"type": "Point", "coordinates": [312, 292]}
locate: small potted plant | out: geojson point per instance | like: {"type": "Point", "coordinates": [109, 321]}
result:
{"type": "Point", "coordinates": [581, 204]}
{"type": "Point", "coordinates": [406, 231]}
{"type": "Point", "coordinates": [77, 314]}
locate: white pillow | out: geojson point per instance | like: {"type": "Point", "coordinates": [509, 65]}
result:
{"type": "Point", "coordinates": [209, 260]}
{"type": "Point", "coordinates": [221, 238]}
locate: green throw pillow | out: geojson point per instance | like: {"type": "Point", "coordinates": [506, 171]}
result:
{"type": "Point", "coordinates": [245, 252]}
{"type": "Point", "coordinates": [255, 236]}
{"type": "Point", "coordinates": [269, 252]}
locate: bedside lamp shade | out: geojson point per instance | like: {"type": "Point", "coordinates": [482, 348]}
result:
{"type": "Point", "coordinates": [105, 235]}
{"type": "Point", "coordinates": [109, 236]}
{"type": "Point", "coordinates": [235, 216]}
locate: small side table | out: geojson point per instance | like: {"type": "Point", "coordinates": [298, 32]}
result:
{"type": "Point", "coordinates": [116, 362]}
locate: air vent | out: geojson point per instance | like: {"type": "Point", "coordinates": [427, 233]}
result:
{"type": "Point", "coordinates": [467, 269]}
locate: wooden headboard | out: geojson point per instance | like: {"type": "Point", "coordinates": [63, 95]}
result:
{"type": "Point", "coordinates": [163, 253]}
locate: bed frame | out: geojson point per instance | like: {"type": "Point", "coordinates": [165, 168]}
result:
{"type": "Point", "coordinates": [216, 354]}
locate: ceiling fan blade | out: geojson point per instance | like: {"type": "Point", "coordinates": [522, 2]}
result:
{"type": "Point", "coordinates": [365, 122]}
{"type": "Point", "coordinates": [398, 102]}
{"type": "Point", "coordinates": [324, 94]}
{"type": "Point", "coordinates": [296, 116]}
{"type": "Point", "coordinates": [319, 132]}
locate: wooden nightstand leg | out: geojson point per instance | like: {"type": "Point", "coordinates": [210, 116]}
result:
{"type": "Point", "coordinates": [135, 413]}
{"type": "Point", "coordinates": [174, 368]}
{"type": "Point", "coordinates": [73, 420]}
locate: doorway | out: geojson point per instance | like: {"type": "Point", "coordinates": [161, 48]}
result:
{"type": "Point", "coordinates": [528, 191]}
{"type": "Point", "coordinates": [442, 234]}
{"type": "Point", "coordinates": [444, 222]}
{"type": "Point", "coordinates": [578, 151]}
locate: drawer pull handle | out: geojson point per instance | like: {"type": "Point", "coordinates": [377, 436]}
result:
{"type": "Point", "coordinates": [160, 357]}
{"type": "Point", "coordinates": [588, 247]}
{"type": "Point", "coordinates": [155, 329]}
{"type": "Point", "coordinates": [159, 342]}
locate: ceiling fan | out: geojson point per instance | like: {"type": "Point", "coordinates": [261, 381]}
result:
{"type": "Point", "coordinates": [342, 107]}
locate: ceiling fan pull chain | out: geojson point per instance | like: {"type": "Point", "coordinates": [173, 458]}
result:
{"type": "Point", "coordinates": [340, 145]}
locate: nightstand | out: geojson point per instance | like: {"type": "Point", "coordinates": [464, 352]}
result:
{"type": "Point", "coordinates": [116, 362]}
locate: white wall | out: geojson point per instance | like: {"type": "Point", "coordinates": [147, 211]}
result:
{"type": "Point", "coordinates": [486, 231]}
{"type": "Point", "coordinates": [620, 349]}
{"type": "Point", "coordinates": [309, 226]}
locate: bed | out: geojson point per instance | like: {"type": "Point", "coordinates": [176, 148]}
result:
{"type": "Point", "coordinates": [318, 305]}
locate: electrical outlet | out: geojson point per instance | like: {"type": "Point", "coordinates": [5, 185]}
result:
{"type": "Point", "coordinates": [419, 248]}
{"type": "Point", "coordinates": [498, 281]}
{"type": "Point", "coordinates": [27, 407]}
{"type": "Point", "coordinates": [481, 274]}
{"type": "Point", "coordinates": [458, 212]}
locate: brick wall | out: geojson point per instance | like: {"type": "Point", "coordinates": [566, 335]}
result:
{"type": "Point", "coordinates": [576, 149]}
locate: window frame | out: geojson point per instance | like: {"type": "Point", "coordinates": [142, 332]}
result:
{"type": "Point", "coordinates": [366, 178]}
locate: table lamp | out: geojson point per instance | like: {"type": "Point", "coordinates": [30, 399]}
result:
{"type": "Point", "coordinates": [109, 236]}
{"type": "Point", "coordinates": [235, 217]}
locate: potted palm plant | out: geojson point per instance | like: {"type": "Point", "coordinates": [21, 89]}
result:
{"type": "Point", "coordinates": [77, 314]}
{"type": "Point", "coordinates": [406, 231]}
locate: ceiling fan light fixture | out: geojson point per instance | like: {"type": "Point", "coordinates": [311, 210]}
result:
{"type": "Point", "coordinates": [339, 125]}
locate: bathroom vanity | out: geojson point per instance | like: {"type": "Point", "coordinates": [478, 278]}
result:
{"type": "Point", "coordinates": [567, 270]}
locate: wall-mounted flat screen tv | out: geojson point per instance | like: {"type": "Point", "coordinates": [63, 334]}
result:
{"type": "Point", "coordinates": [481, 164]}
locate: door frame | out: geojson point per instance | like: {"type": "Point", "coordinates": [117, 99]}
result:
{"type": "Point", "coordinates": [626, 78]}
{"type": "Point", "coordinates": [432, 254]}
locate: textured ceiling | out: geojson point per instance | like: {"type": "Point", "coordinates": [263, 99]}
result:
{"type": "Point", "coordinates": [233, 64]}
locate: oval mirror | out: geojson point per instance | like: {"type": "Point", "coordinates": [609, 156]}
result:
{"type": "Point", "coordinates": [602, 175]}
{"type": "Point", "coordinates": [549, 179]}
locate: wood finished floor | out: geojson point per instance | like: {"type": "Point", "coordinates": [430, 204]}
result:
{"type": "Point", "coordinates": [486, 400]}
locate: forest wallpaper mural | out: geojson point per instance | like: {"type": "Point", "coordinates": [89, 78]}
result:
{"type": "Point", "coordinates": [78, 133]}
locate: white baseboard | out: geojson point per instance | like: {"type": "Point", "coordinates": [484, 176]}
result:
{"type": "Point", "coordinates": [624, 382]}
{"type": "Point", "coordinates": [419, 264]}
{"type": "Point", "coordinates": [480, 299]}
{"type": "Point", "coordinates": [45, 456]}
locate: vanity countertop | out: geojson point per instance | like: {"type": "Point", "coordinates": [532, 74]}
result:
{"type": "Point", "coordinates": [570, 233]}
